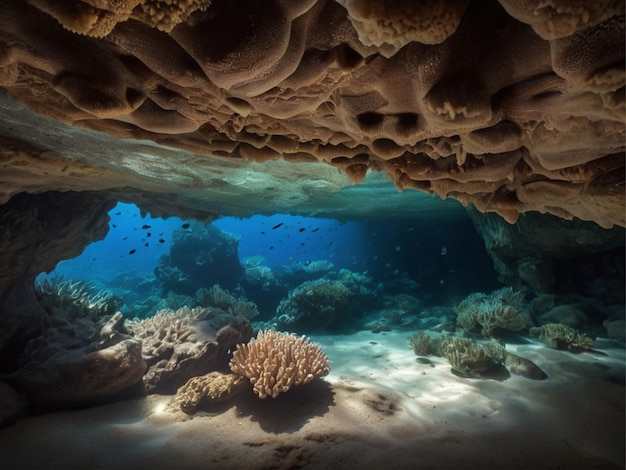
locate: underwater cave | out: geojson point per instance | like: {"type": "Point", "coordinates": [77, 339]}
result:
{"type": "Point", "coordinates": [312, 234]}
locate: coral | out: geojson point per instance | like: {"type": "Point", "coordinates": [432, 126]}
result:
{"type": "Point", "coordinates": [66, 300]}
{"type": "Point", "coordinates": [492, 312]}
{"type": "Point", "coordinates": [494, 315]}
{"type": "Point", "coordinates": [257, 274]}
{"type": "Point", "coordinates": [294, 274]}
{"type": "Point", "coordinates": [467, 309]}
{"type": "Point", "coordinates": [223, 299]}
{"type": "Point", "coordinates": [274, 362]}
{"type": "Point", "coordinates": [407, 303]}
{"type": "Point", "coordinates": [469, 358]}
{"type": "Point", "coordinates": [313, 305]}
{"type": "Point", "coordinates": [186, 343]}
{"type": "Point", "coordinates": [424, 345]}
{"type": "Point", "coordinates": [200, 255]}
{"type": "Point", "coordinates": [212, 387]}
{"type": "Point", "coordinates": [560, 336]}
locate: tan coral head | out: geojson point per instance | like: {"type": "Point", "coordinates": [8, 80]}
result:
{"type": "Point", "coordinates": [274, 362]}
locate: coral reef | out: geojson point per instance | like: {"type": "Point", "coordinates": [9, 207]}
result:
{"type": "Point", "coordinates": [223, 299]}
{"type": "Point", "coordinates": [493, 313]}
{"type": "Point", "coordinates": [66, 300]}
{"type": "Point", "coordinates": [274, 362]}
{"type": "Point", "coordinates": [213, 387]}
{"type": "Point", "coordinates": [560, 336]}
{"type": "Point", "coordinates": [200, 255]}
{"type": "Point", "coordinates": [293, 274]}
{"type": "Point", "coordinates": [469, 358]}
{"type": "Point", "coordinates": [313, 305]}
{"type": "Point", "coordinates": [185, 343]}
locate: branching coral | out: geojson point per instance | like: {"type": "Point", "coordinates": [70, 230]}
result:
{"type": "Point", "coordinates": [222, 298]}
{"type": "Point", "coordinates": [274, 362]}
{"type": "Point", "coordinates": [499, 310]}
{"type": "Point", "coordinates": [425, 345]}
{"type": "Point", "coordinates": [470, 359]}
{"type": "Point", "coordinates": [66, 299]}
{"type": "Point", "coordinates": [560, 336]}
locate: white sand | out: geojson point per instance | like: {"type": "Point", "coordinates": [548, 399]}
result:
{"type": "Point", "coordinates": [378, 409]}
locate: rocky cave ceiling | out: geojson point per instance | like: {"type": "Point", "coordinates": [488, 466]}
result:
{"type": "Point", "coordinates": [514, 106]}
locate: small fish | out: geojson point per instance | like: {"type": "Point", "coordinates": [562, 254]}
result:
{"type": "Point", "coordinates": [93, 259]}
{"type": "Point", "coordinates": [398, 248]}
{"type": "Point", "coordinates": [276, 226]}
{"type": "Point", "coordinates": [161, 240]}
{"type": "Point", "coordinates": [114, 226]}
{"type": "Point", "coordinates": [315, 229]}
{"type": "Point", "coordinates": [148, 234]}
{"type": "Point", "coordinates": [302, 244]}
{"type": "Point", "coordinates": [131, 252]}
{"type": "Point", "coordinates": [185, 226]}
{"type": "Point", "coordinates": [444, 251]}
{"type": "Point", "coordinates": [144, 227]}
{"type": "Point", "coordinates": [271, 247]}
{"type": "Point", "coordinates": [301, 229]}
{"type": "Point", "coordinates": [147, 244]}
{"type": "Point", "coordinates": [125, 238]}
{"type": "Point", "coordinates": [118, 213]}
{"type": "Point", "coordinates": [262, 233]}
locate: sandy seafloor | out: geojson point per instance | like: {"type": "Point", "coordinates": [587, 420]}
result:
{"type": "Point", "coordinates": [379, 408]}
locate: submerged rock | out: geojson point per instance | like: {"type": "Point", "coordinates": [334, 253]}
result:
{"type": "Point", "coordinates": [213, 387]}
{"type": "Point", "coordinates": [78, 364]}
{"type": "Point", "coordinates": [187, 343]}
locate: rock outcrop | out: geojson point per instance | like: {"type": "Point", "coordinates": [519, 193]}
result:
{"type": "Point", "coordinates": [187, 343]}
{"type": "Point", "coordinates": [80, 363]}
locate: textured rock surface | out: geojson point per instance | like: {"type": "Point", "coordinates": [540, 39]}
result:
{"type": "Point", "coordinates": [187, 343]}
{"type": "Point", "coordinates": [81, 363]}
{"type": "Point", "coordinates": [213, 387]}
{"type": "Point", "coordinates": [36, 232]}
{"type": "Point", "coordinates": [535, 121]}
{"type": "Point", "coordinates": [552, 255]}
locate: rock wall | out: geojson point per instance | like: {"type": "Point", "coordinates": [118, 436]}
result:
{"type": "Point", "coordinates": [36, 232]}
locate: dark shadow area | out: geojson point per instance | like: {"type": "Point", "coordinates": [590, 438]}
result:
{"type": "Point", "coordinates": [290, 411]}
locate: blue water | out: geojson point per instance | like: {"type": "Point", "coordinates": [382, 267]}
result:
{"type": "Point", "coordinates": [427, 251]}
